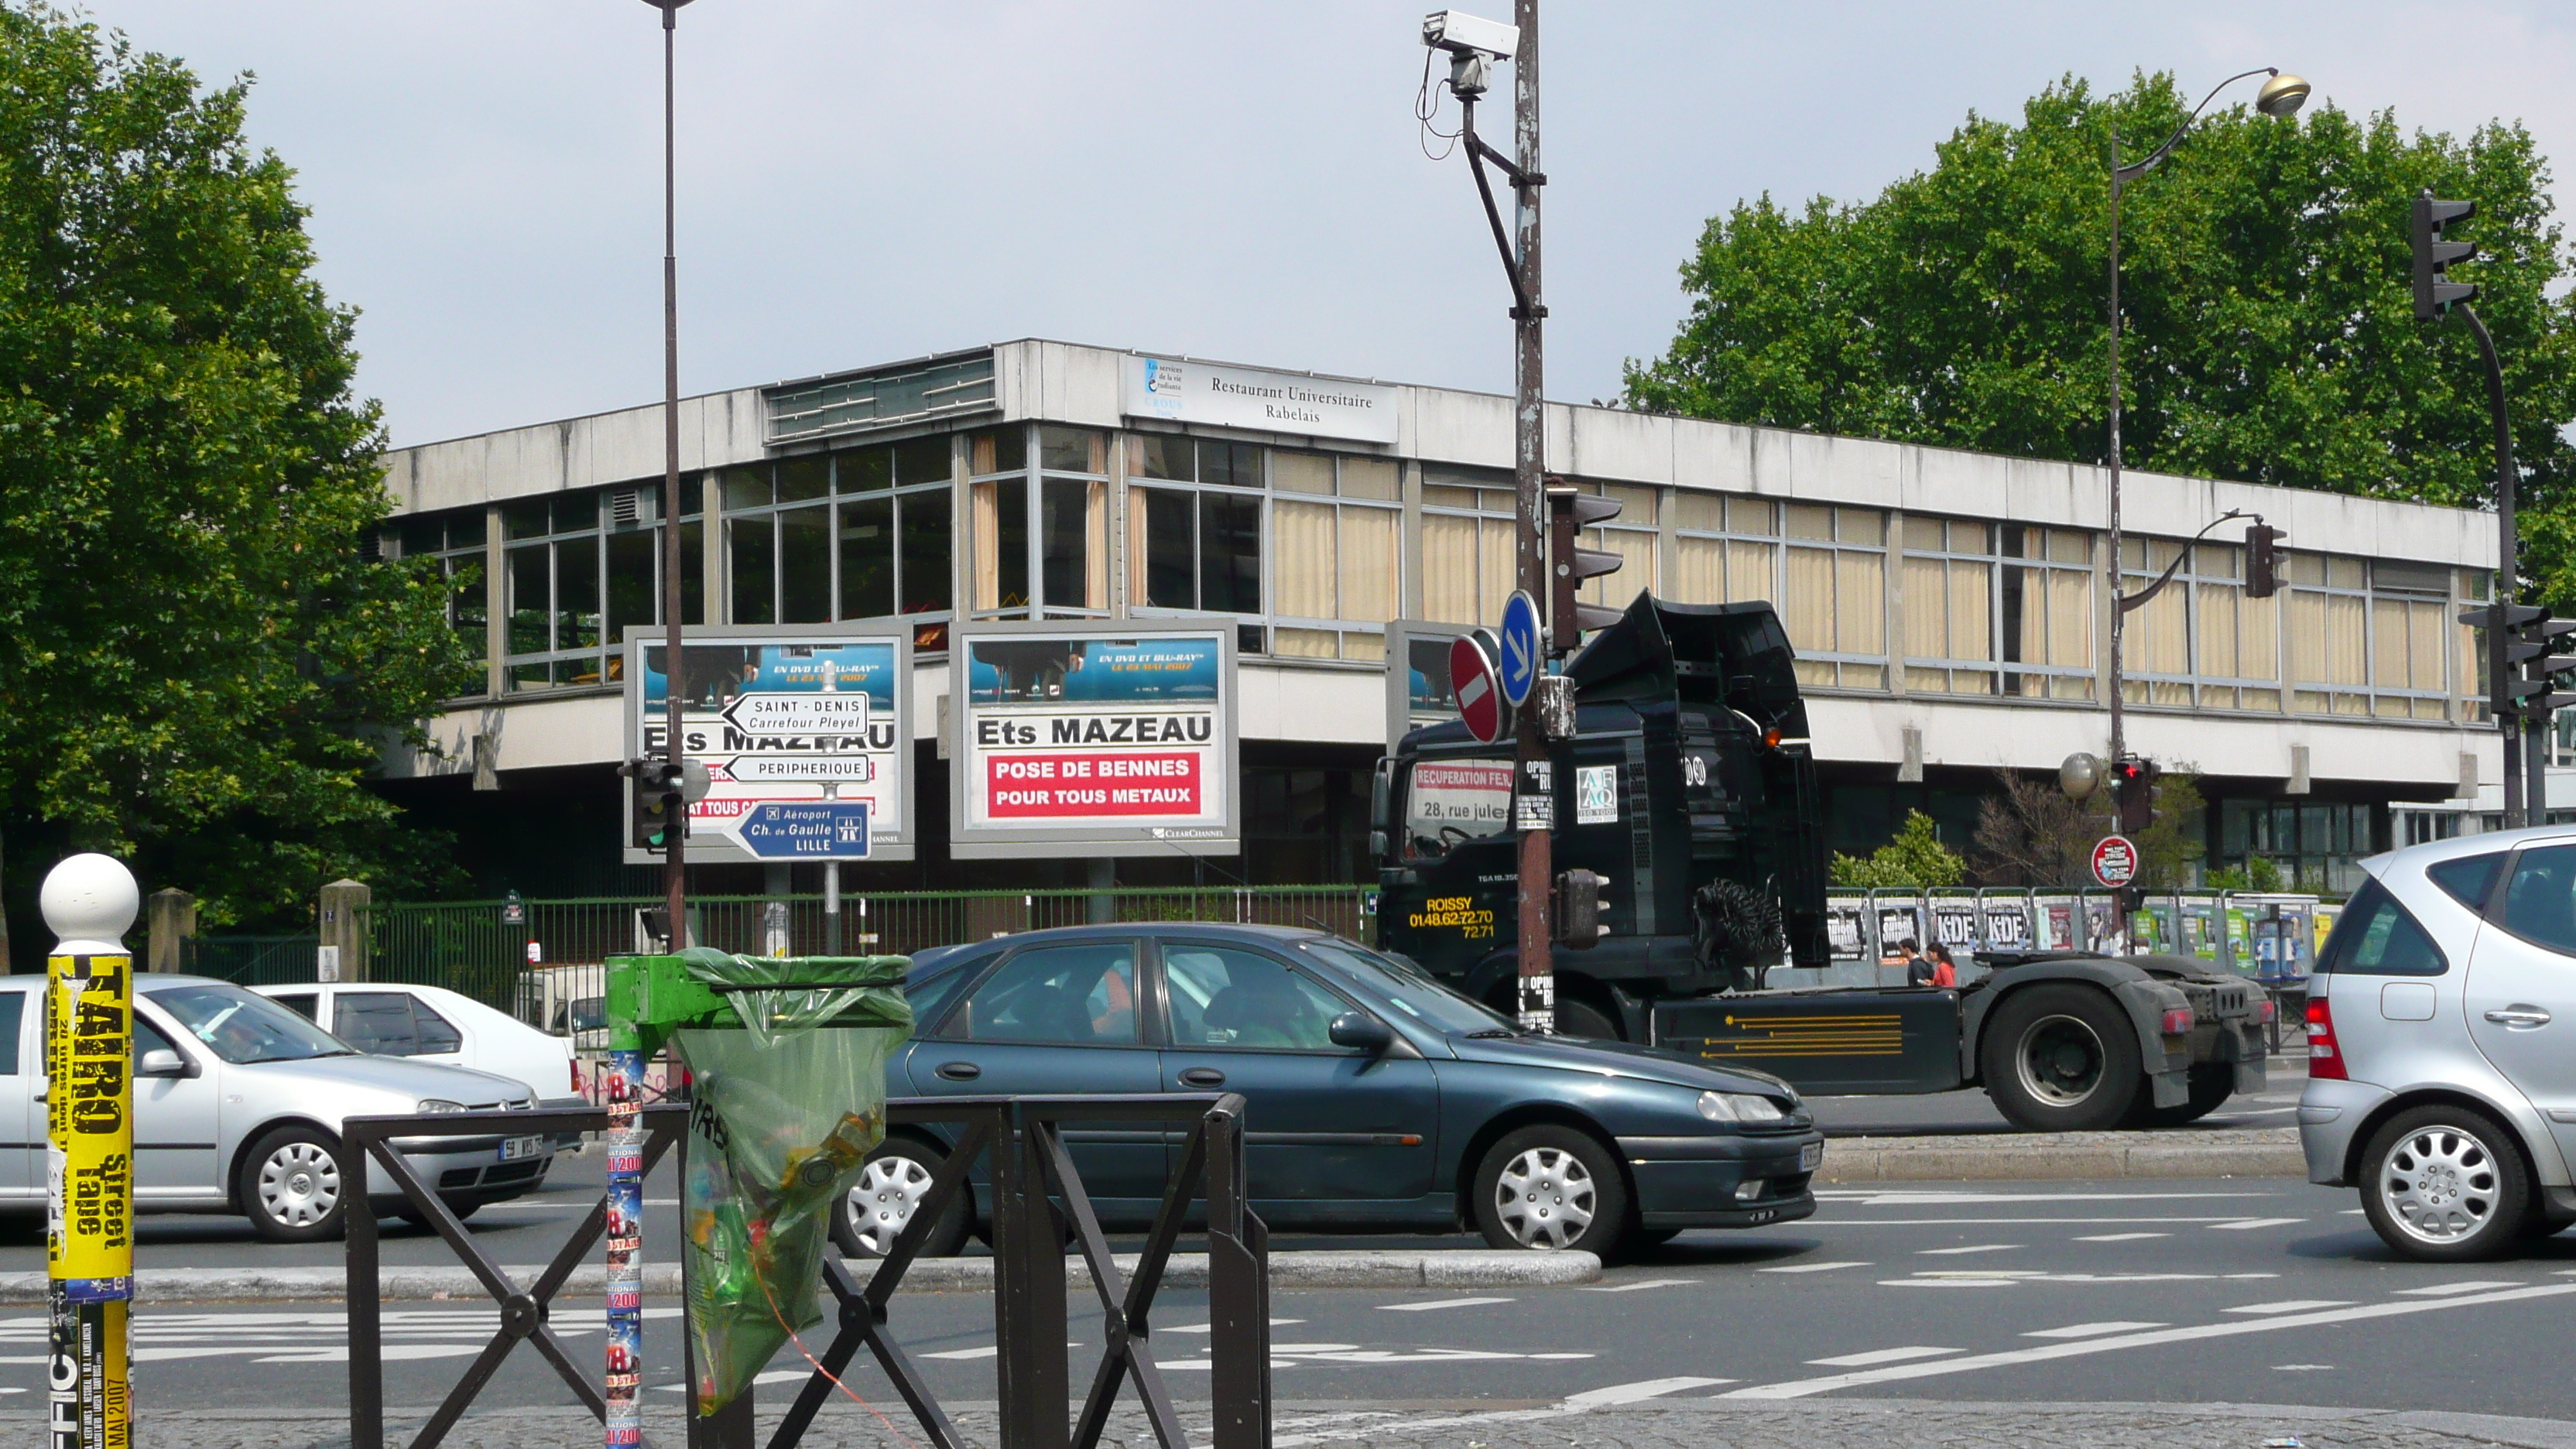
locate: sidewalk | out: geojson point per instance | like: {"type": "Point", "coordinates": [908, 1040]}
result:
{"type": "Point", "coordinates": [1610, 1417]}
{"type": "Point", "coordinates": [2065, 1156]}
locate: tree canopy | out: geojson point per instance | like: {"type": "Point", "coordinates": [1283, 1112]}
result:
{"type": "Point", "coordinates": [197, 667]}
{"type": "Point", "coordinates": [1916, 859]}
{"type": "Point", "coordinates": [2269, 328]}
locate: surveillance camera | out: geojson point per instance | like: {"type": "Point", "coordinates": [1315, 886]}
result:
{"type": "Point", "coordinates": [1462, 34]}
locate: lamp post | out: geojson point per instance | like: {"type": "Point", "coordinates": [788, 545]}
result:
{"type": "Point", "coordinates": [675, 878]}
{"type": "Point", "coordinates": [2282, 95]}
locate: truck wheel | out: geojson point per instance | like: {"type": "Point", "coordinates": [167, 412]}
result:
{"type": "Point", "coordinates": [2061, 1058]}
{"type": "Point", "coordinates": [2444, 1184]}
{"type": "Point", "coordinates": [1581, 1018]}
{"type": "Point", "coordinates": [2212, 1083]}
{"type": "Point", "coordinates": [1549, 1187]}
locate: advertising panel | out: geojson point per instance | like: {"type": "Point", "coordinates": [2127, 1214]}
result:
{"type": "Point", "coordinates": [1216, 395]}
{"type": "Point", "coordinates": [806, 733]}
{"type": "Point", "coordinates": [1084, 739]}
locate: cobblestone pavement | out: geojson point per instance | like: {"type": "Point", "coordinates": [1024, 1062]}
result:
{"type": "Point", "coordinates": [1659, 1424]}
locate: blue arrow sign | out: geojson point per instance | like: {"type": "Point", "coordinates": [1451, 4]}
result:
{"type": "Point", "coordinates": [806, 830]}
{"type": "Point", "coordinates": [1518, 659]}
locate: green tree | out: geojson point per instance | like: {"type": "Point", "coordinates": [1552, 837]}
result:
{"type": "Point", "coordinates": [2030, 834]}
{"type": "Point", "coordinates": [2269, 334]}
{"type": "Point", "coordinates": [197, 668]}
{"type": "Point", "coordinates": [1916, 859]}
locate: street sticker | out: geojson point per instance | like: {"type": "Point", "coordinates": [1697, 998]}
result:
{"type": "Point", "coordinates": [1596, 795]}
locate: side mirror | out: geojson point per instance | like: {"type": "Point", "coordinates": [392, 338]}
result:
{"type": "Point", "coordinates": [1361, 1030]}
{"type": "Point", "coordinates": [1377, 845]}
{"type": "Point", "coordinates": [161, 1062]}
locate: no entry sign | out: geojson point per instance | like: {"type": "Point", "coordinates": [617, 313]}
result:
{"type": "Point", "coordinates": [1480, 694]}
{"type": "Point", "coordinates": [2115, 861]}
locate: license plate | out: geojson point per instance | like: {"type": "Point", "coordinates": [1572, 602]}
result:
{"type": "Point", "coordinates": [1811, 1157]}
{"type": "Point", "coordinates": [515, 1149]}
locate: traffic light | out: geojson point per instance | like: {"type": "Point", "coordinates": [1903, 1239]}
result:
{"type": "Point", "coordinates": [2511, 618]}
{"type": "Point", "coordinates": [2263, 559]}
{"type": "Point", "coordinates": [2133, 785]}
{"type": "Point", "coordinates": [660, 806]}
{"type": "Point", "coordinates": [2534, 647]}
{"type": "Point", "coordinates": [2435, 296]}
{"type": "Point", "coordinates": [1577, 912]}
{"type": "Point", "coordinates": [1569, 512]}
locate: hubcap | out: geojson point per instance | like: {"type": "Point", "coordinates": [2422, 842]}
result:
{"type": "Point", "coordinates": [2061, 1060]}
{"type": "Point", "coordinates": [299, 1184]}
{"type": "Point", "coordinates": [1544, 1198]}
{"type": "Point", "coordinates": [2439, 1185]}
{"type": "Point", "coordinates": [883, 1200]}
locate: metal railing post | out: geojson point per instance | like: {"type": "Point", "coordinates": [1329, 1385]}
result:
{"type": "Point", "coordinates": [1031, 1371]}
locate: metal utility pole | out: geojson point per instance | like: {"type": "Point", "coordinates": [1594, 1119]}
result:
{"type": "Point", "coordinates": [675, 874]}
{"type": "Point", "coordinates": [1529, 543]}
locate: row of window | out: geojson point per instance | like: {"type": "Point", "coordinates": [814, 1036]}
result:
{"type": "Point", "coordinates": [1308, 551]}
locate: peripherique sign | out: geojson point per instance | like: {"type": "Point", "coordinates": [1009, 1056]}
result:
{"type": "Point", "coordinates": [803, 716]}
{"type": "Point", "coordinates": [1082, 740]}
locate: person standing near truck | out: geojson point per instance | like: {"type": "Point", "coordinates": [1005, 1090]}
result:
{"type": "Point", "coordinates": [1945, 971]}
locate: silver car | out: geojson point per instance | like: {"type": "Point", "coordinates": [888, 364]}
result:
{"type": "Point", "coordinates": [237, 1108]}
{"type": "Point", "coordinates": [2442, 1045]}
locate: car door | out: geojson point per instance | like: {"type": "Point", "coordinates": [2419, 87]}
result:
{"type": "Point", "coordinates": [378, 1023]}
{"type": "Point", "coordinates": [2521, 990]}
{"type": "Point", "coordinates": [176, 1157]}
{"type": "Point", "coordinates": [22, 1083]}
{"type": "Point", "coordinates": [1057, 1018]}
{"type": "Point", "coordinates": [1326, 1128]}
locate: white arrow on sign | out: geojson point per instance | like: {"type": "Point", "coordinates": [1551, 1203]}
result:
{"type": "Point", "coordinates": [799, 714]}
{"type": "Point", "coordinates": [791, 769]}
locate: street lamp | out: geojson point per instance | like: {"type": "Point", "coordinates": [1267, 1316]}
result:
{"type": "Point", "coordinates": [2282, 95]}
{"type": "Point", "coordinates": [675, 878]}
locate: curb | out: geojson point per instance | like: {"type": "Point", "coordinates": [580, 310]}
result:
{"type": "Point", "coordinates": [1463, 1269]}
{"type": "Point", "coordinates": [2065, 1156]}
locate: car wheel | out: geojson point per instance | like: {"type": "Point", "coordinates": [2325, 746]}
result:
{"type": "Point", "coordinates": [883, 1198]}
{"type": "Point", "coordinates": [1582, 1019]}
{"type": "Point", "coordinates": [1548, 1188]}
{"type": "Point", "coordinates": [2444, 1184]}
{"type": "Point", "coordinates": [290, 1186]}
{"type": "Point", "coordinates": [2061, 1058]}
{"type": "Point", "coordinates": [2212, 1083]}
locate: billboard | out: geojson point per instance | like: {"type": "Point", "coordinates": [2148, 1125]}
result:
{"type": "Point", "coordinates": [806, 733]}
{"type": "Point", "coordinates": [1080, 739]}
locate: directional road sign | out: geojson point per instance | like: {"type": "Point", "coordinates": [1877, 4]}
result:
{"type": "Point", "coordinates": [816, 830]}
{"type": "Point", "coordinates": [2115, 861]}
{"type": "Point", "coordinates": [799, 714]}
{"type": "Point", "coordinates": [1517, 664]}
{"type": "Point", "coordinates": [800, 767]}
{"type": "Point", "coordinates": [1480, 695]}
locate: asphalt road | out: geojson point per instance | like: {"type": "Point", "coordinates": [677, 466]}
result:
{"type": "Point", "coordinates": [2185, 1292]}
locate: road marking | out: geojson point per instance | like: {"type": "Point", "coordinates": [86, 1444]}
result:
{"type": "Point", "coordinates": [1210, 1327]}
{"type": "Point", "coordinates": [2299, 1368]}
{"type": "Point", "coordinates": [2233, 1276]}
{"type": "Point", "coordinates": [1810, 1267]}
{"type": "Point", "coordinates": [2154, 1338]}
{"type": "Point", "coordinates": [2088, 1330]}
{"type": "Point", "coordinates": [2254, 1223]}
{"type": "Point", "coordinates": [2121, 1237]}
{"type": "Point", "coordinates": [1438, 1303]}
{"type": "Point", "coordinates": [1641, 1390]}
{"type": "Point", "coordinates": [1811, 1224]}
{"type": "Point", "coordinates": [1863, 1197]}
{"type": "Point", "coordinates": [2292, 1305]}
{"type": "Point", "coordinates": [1882, 1355]}
{"type": "Point", "coordinates": [1640, 1287]}
{"type": "Point", "coordinates": [987, 1351]}
{"type": "Point", "coordinates": [1977, 1248]}
{"type": "Point", "coordinates": [772, 1376]}
{"type": "Point", "coordinates": [1928, 1282]}
{"type": "Point", "coordinates": [2445, 1290]}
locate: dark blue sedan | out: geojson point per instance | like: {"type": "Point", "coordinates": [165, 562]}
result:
{"type": "Point", "coordinates": [1377, 1098]}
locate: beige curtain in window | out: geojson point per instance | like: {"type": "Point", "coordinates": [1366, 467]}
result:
{"type": "Point", "coordinates": [2070, 618]}
{"type": "Point", "coordinates": [1302, 563]}
{"type": "Point", "coordinates": [1135, 545]}
{"type": "Point", "coordinates": [1636, 550]}
{"type": "Point", "coordinates": [1497, 569]}
{"type": "Point", "coordinates": [2258, 637]}
{"type": "Point", "coordinates": [1860, 602]}
{"type": "Point", "coordinates": [2388, 669]}
{"type": "Point", "coordinates": [1752, 571]}
{"type": "Point", "coordinates": [2329, 639]}
{"type": "Point", "coordinates": [1808, 604]}
{"type": "Point", "coordinates": [1927, 609]}
{"type": "Point", "coordinates": [988, 546]}
{"type": "Point", "coordinates": [1448, 568]}
{"type": "Point", "coordinates": [1372, 544]}
{"type": "Point", "coordinates": [2165, 623]}
{"type": "Point", "coordinates": [1095, 538]}
{"type": "Point", "coordinates": [1971, 611]}
{"type": "Point", "coordinates": [2216, 605]}
{"type": "Point", "coordinates": [1699, 571]}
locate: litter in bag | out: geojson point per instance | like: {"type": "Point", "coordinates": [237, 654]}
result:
{"type": "Point", "coordinates": [784, 1111]}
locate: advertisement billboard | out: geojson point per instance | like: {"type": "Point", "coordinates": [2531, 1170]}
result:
{"type": "Point", "coordinates": [806, 733]}
{"type": "Point", "coordinates": [1079, 739]}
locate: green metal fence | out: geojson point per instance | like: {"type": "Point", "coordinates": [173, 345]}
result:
{"type": "Point", "coordinates": [251, 960]}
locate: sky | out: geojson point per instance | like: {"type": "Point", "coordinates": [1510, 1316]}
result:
{"type": "Point", "coordinates": [862, 181]}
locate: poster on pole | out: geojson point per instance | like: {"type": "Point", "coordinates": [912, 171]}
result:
{"type": "Point", "coordinates": [1081, 739]}
{"type": "Point", "coordinates": [806, 733]}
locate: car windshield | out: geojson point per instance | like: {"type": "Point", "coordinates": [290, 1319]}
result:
{"type": "Point", "coordinates": [1408, 988]}
{"type": "Point", "coordinates": [243, 1028]}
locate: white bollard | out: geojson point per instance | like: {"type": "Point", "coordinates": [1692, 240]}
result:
{"type": "Point", "coordinates": [88, 902]}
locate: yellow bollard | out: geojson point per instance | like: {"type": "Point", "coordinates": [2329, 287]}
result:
{"type": "Point", "coordinates": [88, 901]}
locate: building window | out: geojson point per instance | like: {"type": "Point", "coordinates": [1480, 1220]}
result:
{"type": "Point", "coordinates": [1725, 550]}
{"type": "Point", "coordinates": [1833, 594]}
{"type": "Point", "coordinates": [2318, 846]}
{"type": "Point", "coordinates": [860, 534]}
{"type": "Point", "coordinates": [1339, 523]}
{"type": "Point", "coordinates": [1469, 566]}
{"type": "Point", "coordinates": [1949, 608]}
{"type": "Point", "coordinates": [554, 623]}
{"type": "Point", "coordinates": [1194, 530]}
{"type": "Point", "coordinates": [2044, 612]}
{"type": "Point", "coordinates": [2410, 612]}
{"type": "Point", "coordinates": [1041, 551]}
{"type": "Point", "coordinates": [2201, 643]}
{"type": "Point", "coordinates": [2329, 635]}
{"type": "Point", "coordinates": [455, 540]}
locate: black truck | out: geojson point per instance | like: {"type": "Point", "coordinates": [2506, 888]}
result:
{"type": "Point", "coordinates": [1688, 789]}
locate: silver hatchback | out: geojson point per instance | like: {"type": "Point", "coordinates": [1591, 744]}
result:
{"type": "Point", "coordinates": [2442, 1045]}
{"type": "Point", "coordinates": [237, 1108]}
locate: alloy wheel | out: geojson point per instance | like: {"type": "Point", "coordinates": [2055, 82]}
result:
{"type": "Point", "coordinates": [1545, 1198]}
{"type": "Point", "coordinates": [2439, 1184]}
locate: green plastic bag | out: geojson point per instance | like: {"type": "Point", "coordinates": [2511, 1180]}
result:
{"type": "Point", "coordinates": [784, 1111]}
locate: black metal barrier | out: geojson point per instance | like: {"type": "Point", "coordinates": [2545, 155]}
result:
{"type": "Point", "coordinates": [1037, 1202]}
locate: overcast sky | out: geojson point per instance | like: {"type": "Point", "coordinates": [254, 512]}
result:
{"type": "Point", "coordinates": [863, 181]}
